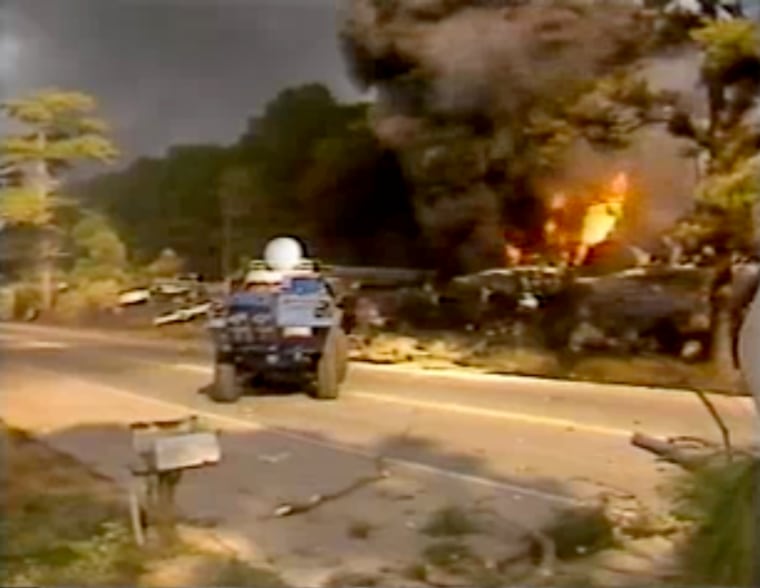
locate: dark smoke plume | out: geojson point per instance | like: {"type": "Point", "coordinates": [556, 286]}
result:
{"type": "Point", "coordinates": [457, 81]}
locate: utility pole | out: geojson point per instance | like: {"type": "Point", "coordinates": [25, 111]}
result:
{"type": "Point", "coordinates": [234, 186]}
{"type": "Point", "coordinates": [226, 237]}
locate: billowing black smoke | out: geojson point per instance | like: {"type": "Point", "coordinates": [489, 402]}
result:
{"type": "Point", "coordinates": [459, 82]}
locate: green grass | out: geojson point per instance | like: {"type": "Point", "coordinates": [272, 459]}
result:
{"type": "Point", "coordinates": [451, 521]}
{"type": "Point", "coordinates": [66, 540]}
{"type": "Point", "coordinates": [579, 532]}
{"type": "Point", "coordinates": [57, 526]}
{"type": "Point", "coordinates": [721, 499]}
{"type": "Point", "coordinates": [62, 526]}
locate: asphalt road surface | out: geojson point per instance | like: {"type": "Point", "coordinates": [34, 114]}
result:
{"type": "Point", "coordinates": [551, 438]}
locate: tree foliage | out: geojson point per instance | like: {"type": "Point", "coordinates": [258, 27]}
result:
{"type": "Point", "coordinates": [57, 130]}
{"type": "Point", "coordinates": [307, 166]}
{"type": "Point", "coordinates": [729, 139]}
{"type": "Point", "coordinates": [99, 252]}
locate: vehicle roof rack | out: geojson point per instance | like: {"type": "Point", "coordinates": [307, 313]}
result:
{"type": "Point", "coordinates": [306, 265]}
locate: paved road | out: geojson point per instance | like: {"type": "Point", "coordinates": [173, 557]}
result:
{"type": "Point", "coordinates": [546, 436]}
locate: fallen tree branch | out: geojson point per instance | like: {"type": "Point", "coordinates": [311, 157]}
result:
{"type": "Point", "coordinates": [668, 451]}
{"type": "Point", "coordinates": [293, 508]}
{"type": "Point", "coordinates": [695, 441]}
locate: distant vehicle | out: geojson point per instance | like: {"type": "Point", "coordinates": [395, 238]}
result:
{"type": "Point", "coordinates": [285, 319]}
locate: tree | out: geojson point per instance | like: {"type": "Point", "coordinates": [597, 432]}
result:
{"type": "Point", "coordinates": [308, 165]}
{"type": "Point", "coordinates": [100, 252]}
{"type": "Point", "coordinates": [728, 141]}
{"type": "Point", "coordinates": [57, 131]}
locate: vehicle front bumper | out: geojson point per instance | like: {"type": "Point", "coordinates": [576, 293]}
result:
{"type": "Point", "coordinates": [269, 357]}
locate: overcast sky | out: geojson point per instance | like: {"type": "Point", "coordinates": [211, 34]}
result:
{"type": "Point", "coordinates": [171, 71]}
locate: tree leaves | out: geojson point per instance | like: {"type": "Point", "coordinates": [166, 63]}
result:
{"type": "Point", "coordinates": [726, 42]}
{"type": "Point", "coordinates": [736, 189]}
{"type": "Point", "coordinates": [99, 243]}
{"type": "Point", "coordinates": [25, 206]}
{"type": "Point", "coordinates": [57, 132]}
{"type": "Point", "coordinates": [51, 110]}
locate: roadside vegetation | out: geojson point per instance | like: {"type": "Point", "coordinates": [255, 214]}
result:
{"type": "Point", "coordinates": [720, 500]}
{"type": "Point", "coordinates": [62, 525]}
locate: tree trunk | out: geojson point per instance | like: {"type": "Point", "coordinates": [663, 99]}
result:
{"type": "Point", "coordinates": [226, 244]}
{"type": "Point", "coordinates": [47, 270]}
{"type": "Point", "coordinates": [42, 181]}
{"type": "Point", "coordinates": [722, 340]}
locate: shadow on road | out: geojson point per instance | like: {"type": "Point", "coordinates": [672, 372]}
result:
{"type": "Point", "coordinates": [263, 470]}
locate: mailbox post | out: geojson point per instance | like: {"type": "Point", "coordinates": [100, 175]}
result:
{"type": "Point", "coordinates": [164, 450]}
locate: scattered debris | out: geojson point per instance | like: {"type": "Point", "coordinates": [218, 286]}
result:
{"type": "Point", "coordinates": [274, 459]}
{"type": "Point", "coordinates": [360, 529]}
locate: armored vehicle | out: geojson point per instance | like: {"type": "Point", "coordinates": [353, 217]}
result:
{"type": "Point", "coordinates": [285, 319]}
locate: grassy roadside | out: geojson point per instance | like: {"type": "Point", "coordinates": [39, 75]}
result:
{"type": "Point", "coordinates": [62, 525]}
{"type": "Point", "coordinates": [446, 350]}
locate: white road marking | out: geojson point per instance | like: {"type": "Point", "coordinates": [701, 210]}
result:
{"type": "Point", "coordinates": [254, 425]}
{"type": "Point", "coordinates": [495, 414]}
{"type": "Point", "coordinates": [458, 408]}
{"type": "Point", "coordinates": [19, 344]}
{"type": "Point", "coordinates": [193, 367]}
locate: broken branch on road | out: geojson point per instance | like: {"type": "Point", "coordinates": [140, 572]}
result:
{"type": "Point", "coordinates": [671, 451]}
{"type": "Point", "coordinates": [293, 508]}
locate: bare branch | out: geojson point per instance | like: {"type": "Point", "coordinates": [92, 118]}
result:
{"type": "Point", "coordinates": [724, 431]}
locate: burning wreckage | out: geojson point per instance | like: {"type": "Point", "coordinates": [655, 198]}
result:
{"type": "Point", "coordinates": [483, 114]}
{"type": "Point", "coordinates": [583, 291]}
{"type": "Point", "coordinates": [561, 299]}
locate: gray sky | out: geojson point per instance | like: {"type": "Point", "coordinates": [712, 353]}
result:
{"type": "Point", "coordinates": [171, 71]}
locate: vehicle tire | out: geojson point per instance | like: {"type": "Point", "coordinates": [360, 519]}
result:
{"type": "Point", "coordinates": [326, 385]}
{"type": "Point", "coordinates": [341, 345]}
{"type": "Point", "coordinates": [226, 386]}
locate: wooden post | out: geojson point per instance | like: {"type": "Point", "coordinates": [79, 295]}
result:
{"type": "Point", "coordinates": [165, 508]}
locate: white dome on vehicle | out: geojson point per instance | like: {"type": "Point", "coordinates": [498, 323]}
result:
{"type": "Point", "coordinates": [283, 253]}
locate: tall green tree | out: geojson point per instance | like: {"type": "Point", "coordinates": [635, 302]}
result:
{"type": "Point", "coordinates": [729, 140]}
{"type": "Point", "coordinates": [57, 130]}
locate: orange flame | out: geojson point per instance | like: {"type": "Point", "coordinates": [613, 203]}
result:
{"type": "Point", "coordinates": [573, 238]}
